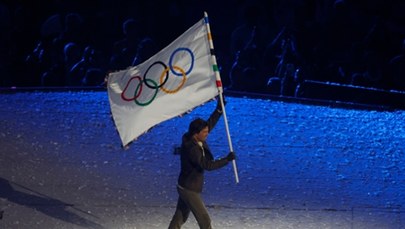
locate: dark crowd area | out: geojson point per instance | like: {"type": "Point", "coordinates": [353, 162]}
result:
{"type": "Point", "coordinates": [261, 46]}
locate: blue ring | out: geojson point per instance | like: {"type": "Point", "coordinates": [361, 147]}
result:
{"type": "Point", "coordinates": [171, 60]}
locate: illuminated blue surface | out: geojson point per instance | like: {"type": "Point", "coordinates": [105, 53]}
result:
{"type": "Point", "coordinates": [300, 166]}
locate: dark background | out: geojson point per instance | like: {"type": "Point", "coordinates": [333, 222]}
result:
{"type": "Point", "coordinates": [349, 42]}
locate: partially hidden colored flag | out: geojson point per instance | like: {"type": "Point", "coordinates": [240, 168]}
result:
{"type": "Point", "coordinates": [172, 82]}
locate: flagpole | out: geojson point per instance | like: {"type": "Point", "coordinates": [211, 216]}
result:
{"type": "Point", "coordinates": [220, 90]}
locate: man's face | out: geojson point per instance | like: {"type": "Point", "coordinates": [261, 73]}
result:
{"type": "Point", "coordinates": [202, 135]}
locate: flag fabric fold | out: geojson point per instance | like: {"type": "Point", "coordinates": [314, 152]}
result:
{"type": "Point", "coordinates": [175, 80]}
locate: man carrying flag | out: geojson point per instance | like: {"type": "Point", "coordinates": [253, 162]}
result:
{"type": "Point", "coordinates": [180, 77]}
{"type": "Point", "coordinates": [196, 157]}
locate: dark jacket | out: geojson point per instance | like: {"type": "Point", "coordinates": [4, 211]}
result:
{"type": "Point", "coordinates": [194, 160]}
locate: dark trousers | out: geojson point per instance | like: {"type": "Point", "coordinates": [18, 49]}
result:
{"type": "Point", "coordinates": [190, 201]}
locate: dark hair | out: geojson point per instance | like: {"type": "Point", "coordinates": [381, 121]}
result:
{"type": "Point", "coordinates": [196, 126]}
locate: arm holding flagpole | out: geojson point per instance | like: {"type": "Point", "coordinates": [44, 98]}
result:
{"type": "Point", "coordinates": [220, 91]}
{"type": "Point", "coordinates": [235, 170]}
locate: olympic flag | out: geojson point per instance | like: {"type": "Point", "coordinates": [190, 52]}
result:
{"type": "Point", "coordinates": [175, 80]}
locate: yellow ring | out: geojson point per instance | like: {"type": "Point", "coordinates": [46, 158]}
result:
{"type": "Point", "coordinates": [182, 82]}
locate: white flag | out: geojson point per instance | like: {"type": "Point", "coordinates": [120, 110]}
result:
{"type": "Point", "coordinates": [172, 82]}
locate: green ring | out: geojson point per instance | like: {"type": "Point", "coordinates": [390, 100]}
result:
{"type": "Point", "coordinates": [154, 96]}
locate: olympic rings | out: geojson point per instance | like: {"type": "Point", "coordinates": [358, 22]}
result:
{"type": "Point", "coordinates": [163, 79]}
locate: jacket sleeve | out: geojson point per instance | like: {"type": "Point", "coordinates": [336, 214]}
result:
{"type": "Point", "coordinates": [213, 119]}
{"type": "Point", "coordinates": [206, 162]}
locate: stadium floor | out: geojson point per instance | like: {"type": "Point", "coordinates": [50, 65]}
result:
{"type": "Point", "coordinates": [299, 165]}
